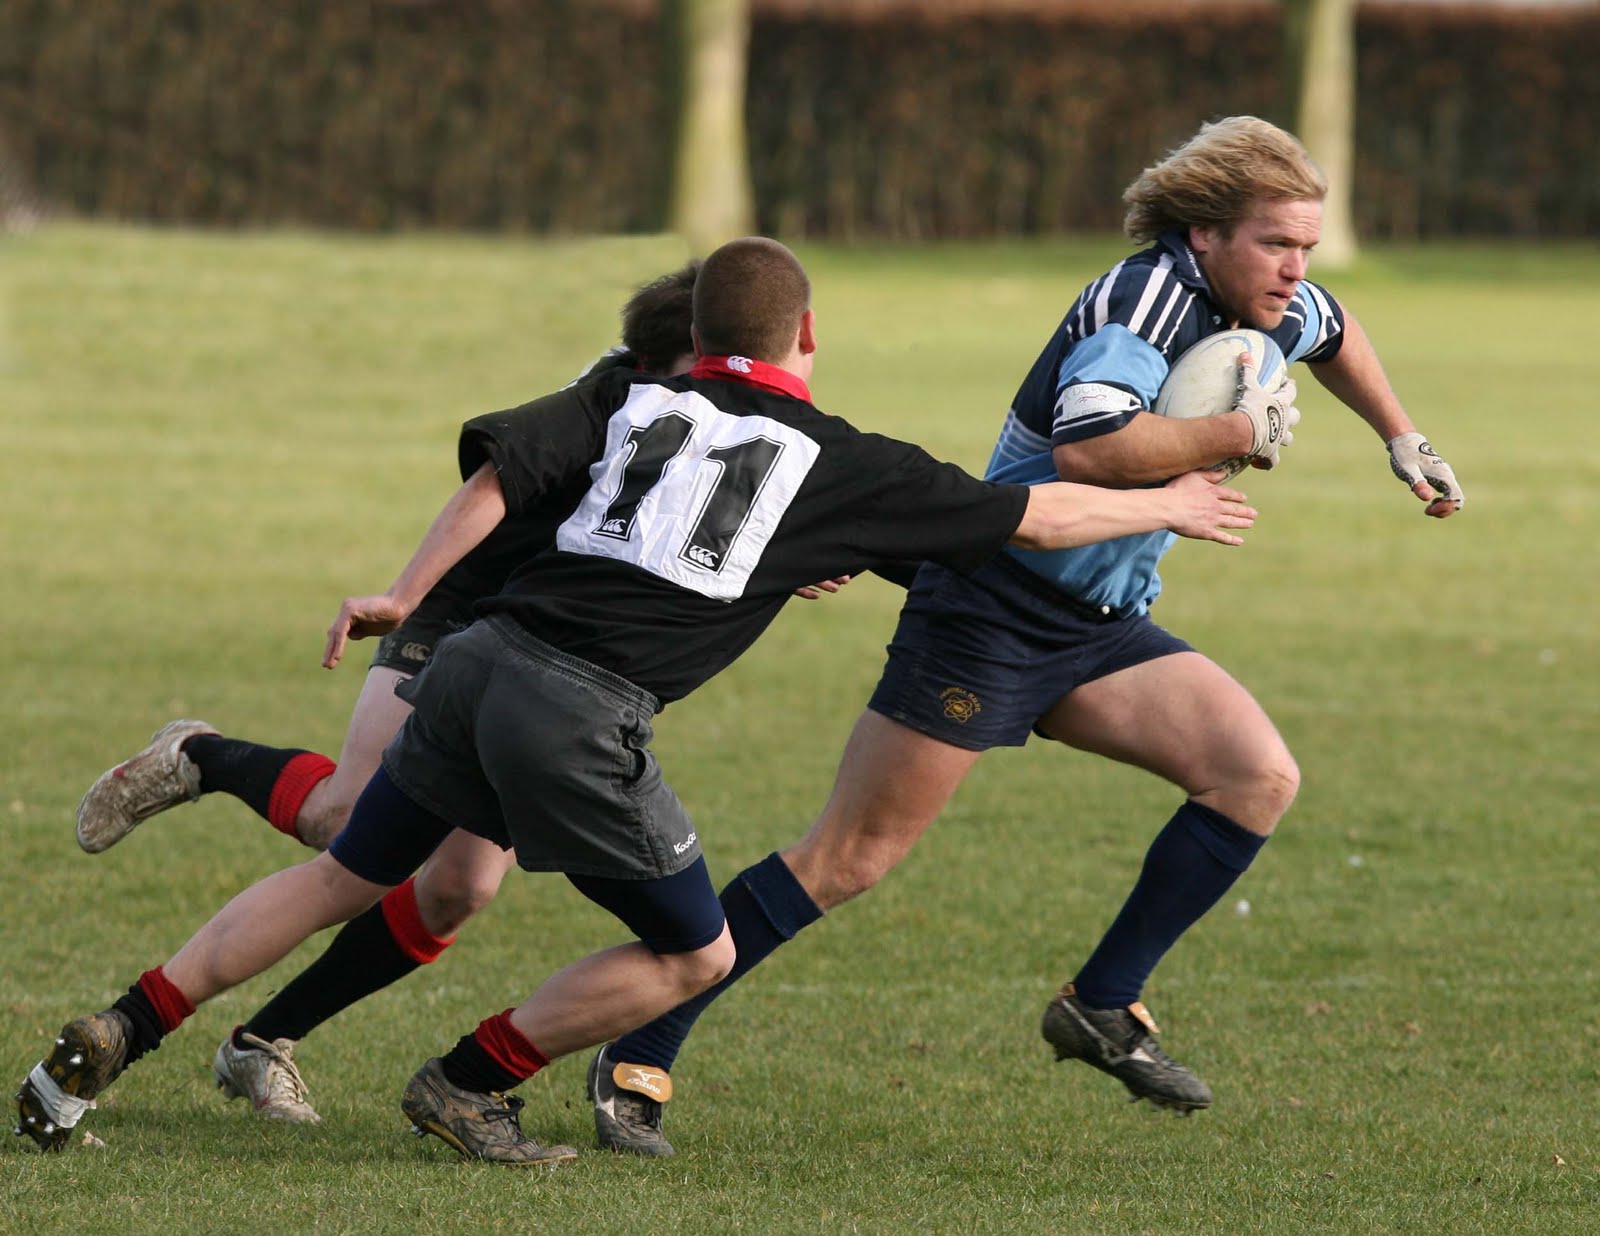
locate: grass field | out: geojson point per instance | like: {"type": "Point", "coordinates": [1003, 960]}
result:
{"type": "Point", "coordinates": [206, 440]}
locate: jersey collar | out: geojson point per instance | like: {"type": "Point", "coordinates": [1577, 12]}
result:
{"type": "Point", "coordinates": [1185, 265]}
{"type": "Point", "coordinates": [751, 373]}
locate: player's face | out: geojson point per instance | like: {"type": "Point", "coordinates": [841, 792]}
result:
{"type": "Point", "coordinates": [1254, 269]}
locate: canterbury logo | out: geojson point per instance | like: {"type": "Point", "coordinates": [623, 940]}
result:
{"type": "Point", "coordinates": [679, 847]}
{"type": "Point", "coordinates": [740, 364]}
{"type": "Point", "coordinates": [960, 704]}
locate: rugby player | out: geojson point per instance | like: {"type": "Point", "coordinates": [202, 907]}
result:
{"type": "Point", "coordinates": [308, 797]}
{"type": "Point", "coordinates": [1061, 644]}
{"type": "Point", "coordinates": [693, 508]}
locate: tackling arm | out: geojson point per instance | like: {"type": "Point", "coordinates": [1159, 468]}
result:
{"type": "Point", "coordinates": [470, 515]}
{"type": "Point", "coordinates": [1061, 515]}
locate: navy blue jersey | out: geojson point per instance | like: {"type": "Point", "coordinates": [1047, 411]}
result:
{"type": "Point", "coordinates": [1101, 368]}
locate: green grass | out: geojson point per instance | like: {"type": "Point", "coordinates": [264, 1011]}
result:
{"type": "Point", "coordinates": [208, 439]}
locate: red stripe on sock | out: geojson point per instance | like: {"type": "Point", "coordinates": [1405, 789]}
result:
{"type": "Point", "coordinates": [171, 1005]}
{"type": "Point", "coordinates": [508, 1047]}
{"type": "Point", "coordinates": [404, 920]}
{"type": "Point", "coordinates": [298, 778]}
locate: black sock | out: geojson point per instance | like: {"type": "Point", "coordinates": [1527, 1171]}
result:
{"type": "Point", "coordinates": [362, 959]}
{"type": "Point", "coordinates": [141, 1014]}
{"type": "Point", "coordinates": [471, 1067]}
{"type": "Point", "coordinates": [247, 770]}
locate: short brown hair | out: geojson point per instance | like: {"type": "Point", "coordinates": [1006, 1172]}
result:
{"type": "Point", "coordinates": [749, 299]}
{"type": "Point", "coordinates": [1215, 177]}
{"type": "Point", "coordinates": [655, 321]}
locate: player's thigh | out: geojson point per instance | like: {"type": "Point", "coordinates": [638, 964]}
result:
{"type": "Point", "coordinates": [379, 713]}
{"type": "Point", "coordinates": [1182, 717]}
{"type": "Point", "coordinates": [892, 783]}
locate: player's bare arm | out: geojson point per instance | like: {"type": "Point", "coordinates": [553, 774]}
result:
{"type": "Point", "coordinates": [1154, 448]}
{"type": "Point", "coordinates": [1355, 377]}
{"type": "Point", "coordinates": [469, 516]}
{"type": "Point", "coordinates": [1063, 514]}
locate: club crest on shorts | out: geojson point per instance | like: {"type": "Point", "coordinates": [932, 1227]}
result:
{"type": "Point", "coordinates": [960, 704]}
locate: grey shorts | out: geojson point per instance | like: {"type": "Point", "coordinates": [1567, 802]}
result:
{"type": "Point", "coordinates": [526, 746]}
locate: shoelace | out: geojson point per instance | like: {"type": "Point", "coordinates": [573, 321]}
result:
{"type": "Point", "coordinates": [285, 1076]}
{"type": "Point", "coordinates": [514, 1103]}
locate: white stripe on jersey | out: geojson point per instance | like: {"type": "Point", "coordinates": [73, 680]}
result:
{"type": "Point", "coordinates": [1102, 302]}
{"type": "Point", "coordinates": [1083, 328]}
{"type": "Point", "coordinates": [1330, 322]}
{"type": "Point", "coordinates": [1152, 289]}
{"type": "Point", "coordinates": [1166, 309]}
{"type": "Point", "coordinates": [1176, 323]}
{"type": "Point", "coordinates": [1017, 442]}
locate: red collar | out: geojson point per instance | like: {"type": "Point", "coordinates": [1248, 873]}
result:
{"type": "Point", "coordinates": [751, 373]}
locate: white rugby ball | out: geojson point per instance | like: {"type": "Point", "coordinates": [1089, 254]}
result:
{"type": "Point", "coordinates": [1204, 381]}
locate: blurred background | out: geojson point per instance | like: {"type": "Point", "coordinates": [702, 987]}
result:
{"type": "Point", "coordinates": [907, 120]}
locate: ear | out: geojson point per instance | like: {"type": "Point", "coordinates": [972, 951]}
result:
{"type": "Point", "coordinates": [694, 338]}
{"type": "Point", "coordinates": [808, 332]}
{"type": "Point", "coordinates": [1201, 238]}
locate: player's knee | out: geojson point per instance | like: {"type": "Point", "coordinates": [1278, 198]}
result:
{"type": "Point", "coordinates": [447, 898]}
{"type": "Point", "coordinates": [319, 823]}
{"type": "Point", "coordinates": [835, 865]}
{"type": "Point", "coordinates": [705, 967]}
{"type": "Point", "coordinates": [1274, 783]}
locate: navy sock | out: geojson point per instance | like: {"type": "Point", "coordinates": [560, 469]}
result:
{"type": "Point", "coordinates": [765, 906]}
{"type": "Point", "coordinates": [1193, 861]}
{"type": "Point", "coordinates": [362, 959]}
{"type": "Point", "coordinates": [247, 770]}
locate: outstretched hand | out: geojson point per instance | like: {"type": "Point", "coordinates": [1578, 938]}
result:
{"type": "Point", "coordinates": [1413, 459]}
{"type": "Point", "coordinates": [358, 618]}
{"type": "Point", "coordinates": [812, 591]}
{"type": "Point", "coordinates": [1203, 508]}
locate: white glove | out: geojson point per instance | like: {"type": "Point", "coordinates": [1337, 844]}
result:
{"type": "Point", "coordinates": [1414, 461]}
{"type": "Point", "coordinates": [1272, 415]}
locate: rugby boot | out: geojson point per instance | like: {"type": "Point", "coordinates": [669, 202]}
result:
{"type": "Point", "coordinates": [474, 1125]}
{"type": "Point", "coordinates": [159, 777]}
{"type": "Point", "coordinates": [89, 1054]}
{"type": "Point", "coordinates": [264, 1073]}
{"type": "Point", "coordinates": [627, 1100]}
{"type": "Point", "coordinates": [1122, 1042]}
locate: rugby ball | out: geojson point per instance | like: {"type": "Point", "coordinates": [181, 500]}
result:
{"type": "Point", "coordinates": [1204, 380]}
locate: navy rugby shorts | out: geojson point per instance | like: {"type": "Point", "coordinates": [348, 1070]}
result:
{"type": "Point", "coordinates": [977, 660]}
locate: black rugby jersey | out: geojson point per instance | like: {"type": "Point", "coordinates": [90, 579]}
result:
{"type": "Point", "coordinates": [485, 569]}
{"type": "Point", "coordinates": [708, 499]}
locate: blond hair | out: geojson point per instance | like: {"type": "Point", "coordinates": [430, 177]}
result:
{"type": "Point", "coordinates": [1215, 177]}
